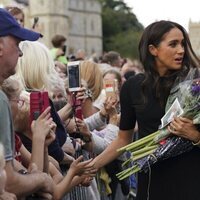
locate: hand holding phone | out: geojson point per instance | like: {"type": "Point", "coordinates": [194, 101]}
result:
{"type": "Point", "coordinates": [76, 105]}
{"type": "Point", "coordinates": [78, 112]}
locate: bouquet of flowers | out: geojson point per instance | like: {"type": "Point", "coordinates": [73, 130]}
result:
{"type": "Point", "coordinates": [184, 100]}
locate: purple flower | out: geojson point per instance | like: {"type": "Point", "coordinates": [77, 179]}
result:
{"type": "Point", "coordinates": [195, 88]}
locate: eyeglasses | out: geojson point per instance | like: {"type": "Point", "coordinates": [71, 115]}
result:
{"type": "Point", "coordinates": [20, 102]}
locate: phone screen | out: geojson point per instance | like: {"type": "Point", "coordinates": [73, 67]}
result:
{"type": "Point", "coordinates": [73, 75]}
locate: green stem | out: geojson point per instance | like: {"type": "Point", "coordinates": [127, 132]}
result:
{"type": "Point", "coordinates": [143, 155]}
{"type": "Point", "coordinates": [126, 162]}
{"type": "Point", "coordinates": [139, 142]}
{"type": "Point", "coordinates": [126, 171]}
{"type": "Point", "coordinates": [143, 150]}
{"type": "Point", "coordinates": [130, 172]}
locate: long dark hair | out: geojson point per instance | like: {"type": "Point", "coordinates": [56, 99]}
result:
{"type": "Point", "coordinates": [153, 35]}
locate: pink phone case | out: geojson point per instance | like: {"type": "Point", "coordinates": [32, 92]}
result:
{"type": "Point", "coordinates": [39, 101]}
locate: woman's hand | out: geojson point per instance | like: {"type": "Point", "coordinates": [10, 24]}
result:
{"type": "Point", "coordinates": [109, 106]}
{"type": "Point", "coordinates": [184, 127]}
{"type": "Point", "coordinates": [80, 95]}
{"type": "Point", "coordinates": [82, 127]}
{"type": "Point", "coordinates": [82, 180]}
{"type": "Point", "coordinates": [87, 180]}
{"type": "Point", "coordinates": [43, 123]}
{"type": "Point", "coordinates": [79, 167]}
{"type": "Point", "coordinates": [44, 127]}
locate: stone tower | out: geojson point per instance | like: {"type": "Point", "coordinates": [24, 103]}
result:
{"type": "Point", "coordinates": [85, 26]}
{"type": "Point", "coordinates": [78, 20]}
{"type": "Point", "coordinates": [53, 17]}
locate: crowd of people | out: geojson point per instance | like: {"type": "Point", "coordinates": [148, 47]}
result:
{"type": "Point", "coordinates": [62, 154]}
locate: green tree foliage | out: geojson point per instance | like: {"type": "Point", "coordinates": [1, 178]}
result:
{"type": "Point", "coordinates": [121, 29]}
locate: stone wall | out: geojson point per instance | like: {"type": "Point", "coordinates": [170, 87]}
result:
{"type": "Point", "coordinates": [85, 26]}
{"type": "Point", "coordinates": [194, 33]}
{"type": "Point", "coordinates": [78, 20]}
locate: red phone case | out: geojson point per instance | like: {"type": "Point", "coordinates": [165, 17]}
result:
{"type": "Point", "coordinates": [78, 112]}
{"type": "Point", "coordinates": [39, 101]}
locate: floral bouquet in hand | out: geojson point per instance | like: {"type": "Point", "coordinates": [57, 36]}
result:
{"type": "Point", "coordinates": [184, 100]}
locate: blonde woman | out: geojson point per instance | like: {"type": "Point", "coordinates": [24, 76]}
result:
{"type": "Point", "coordinates": [36, 66]}
{"type": "Point", "coordinates": [93, 80]}
{"type": "Point", "coordinates": [92, 75]}
{"type": "Point", "coordinates": [36, 71]}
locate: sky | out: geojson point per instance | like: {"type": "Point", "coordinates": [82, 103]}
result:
{"type": "Point", "coordinates": [148, 11]}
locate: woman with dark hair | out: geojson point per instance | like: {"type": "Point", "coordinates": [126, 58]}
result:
{"type": "Point", "coordinates": [166, 54]}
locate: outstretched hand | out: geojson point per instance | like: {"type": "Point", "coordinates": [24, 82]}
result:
{"type": "Point", "coordinates": [79, 167]}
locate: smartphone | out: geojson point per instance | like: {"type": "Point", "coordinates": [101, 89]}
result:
{"type": "Point", "coordinates": [111, 87]}
{"type": "Point", "coordinates": [76, 104]}
{"type": "Point", "coordinates": [78, 109]}
{"type": "Point", "coordinates": [39, 101]}
{"type": "Point", "coordinates": [64, 48]}
{"type": "Point", "coordinates": [74, 79]}
{"type": "Point", "coordinates": [35, 21]}
{"type": "Point", "coordinates": [78, 113]}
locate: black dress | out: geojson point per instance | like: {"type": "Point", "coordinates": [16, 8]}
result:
{"type": "Point", "coordinates": [173, 179]}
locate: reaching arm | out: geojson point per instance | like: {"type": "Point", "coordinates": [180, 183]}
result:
{"type": "Point", "coordinates": [7, 196]}
{"type": "Point", "coordinates": [95, 121]}
{"type": "Point", "coordinates": [65, 112]}
{"type": "Point", "coordinates": [43, 134]}
{"type": "Point", "coordinates": [87, 108]}
{"type": "Point", "coordinates": [76, 168]}
{"type": "Point", "coordinates": [110, 153]}
{"type": "Point", "coordinates": [23, 185]}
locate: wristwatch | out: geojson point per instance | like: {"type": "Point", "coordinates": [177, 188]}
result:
{"type": "Point", "coordinates": [22, 171]}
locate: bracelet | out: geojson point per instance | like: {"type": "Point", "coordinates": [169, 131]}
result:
{"type": "Point", "coordinates": [88, 93]}
{"type": "Point", "coordinates": [197, 143]}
